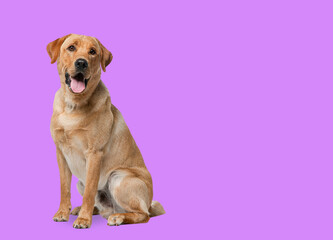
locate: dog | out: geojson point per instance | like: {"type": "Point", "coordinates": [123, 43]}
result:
{"type": "Point", "coordinates": [93, 141]}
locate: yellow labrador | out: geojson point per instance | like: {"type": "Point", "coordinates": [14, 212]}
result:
{"type": "Point", "coordinates": [93, 141]}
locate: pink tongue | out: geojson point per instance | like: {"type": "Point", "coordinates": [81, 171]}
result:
{"type": "Point", "coordinates": [77, 86]}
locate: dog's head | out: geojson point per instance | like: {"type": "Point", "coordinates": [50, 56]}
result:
{"type": "Point", "coordinates": [79, 59]}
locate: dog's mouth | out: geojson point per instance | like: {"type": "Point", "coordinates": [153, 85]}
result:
{"type": "Point", "coordinates": [77, 83]}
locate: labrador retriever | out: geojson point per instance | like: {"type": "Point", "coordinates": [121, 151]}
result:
{"type": "Point", "coordinates": [93, 141]}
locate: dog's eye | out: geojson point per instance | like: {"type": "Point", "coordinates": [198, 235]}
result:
{"type": "Point", "coordinates": [71, 48]}
{"type": "Point", "coordinates": [92, 52]}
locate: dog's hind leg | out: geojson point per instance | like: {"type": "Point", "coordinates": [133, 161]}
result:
{"type": "Point", "coordinates": [131, 198]}
{"type": "Point", "coordinates": [104, 203]}
{"type": "Point", "coordinates": [76, 211]}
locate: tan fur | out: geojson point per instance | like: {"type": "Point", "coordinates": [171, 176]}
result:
{"type": "Point", "coordinates": [94, 143]}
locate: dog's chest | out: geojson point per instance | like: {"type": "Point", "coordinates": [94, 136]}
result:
{"type": "Point", "coordinates": [70, 136]}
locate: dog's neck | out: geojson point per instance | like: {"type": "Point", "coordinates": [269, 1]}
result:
{"type": "Point", "coordinates": [81, 101]}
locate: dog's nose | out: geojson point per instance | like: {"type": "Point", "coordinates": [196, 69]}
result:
{"type": "Point", "coordinates": [81, 64]}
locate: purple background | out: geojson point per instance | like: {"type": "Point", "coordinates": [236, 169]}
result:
{"type": "Point", "coordinates": [230, 103]}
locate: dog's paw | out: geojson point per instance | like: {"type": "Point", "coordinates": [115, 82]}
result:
{"type": "Point", "coordinates": [81, 222]}
{"type": "Point", "coordinates": [61, 216]}
{"type": "Point", "coordinates": [76, 211]}
{"type": "Point", "coordinates": [116, 219]}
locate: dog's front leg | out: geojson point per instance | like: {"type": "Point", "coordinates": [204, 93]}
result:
{"type": "Point", "coordinates": [91, 184]}
{"type": "Point", "coordinates": [62, 214]}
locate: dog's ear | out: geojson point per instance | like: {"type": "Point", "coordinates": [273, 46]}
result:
{"type": "Point", "coordinates": [53, 48]}
{"type": "Point", "coordinates": [106, 56]}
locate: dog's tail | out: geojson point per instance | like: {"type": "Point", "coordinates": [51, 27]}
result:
{"type": "Point", "coordinates": [155, 209]}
